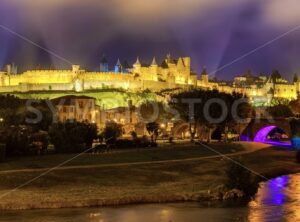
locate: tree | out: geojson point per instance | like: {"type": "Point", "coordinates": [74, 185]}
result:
{"type": "Point", "coordinates": [280, 111]}
{"type": "Point", "coordinates": [279, 101]}
{"type": "Point", "coordinates": [295, 106]}
{"type": "Point", "coordinates": [25, 141]}
{"type": "Point", "coordinates": [209, 106]}
{"type": "Point", "coordinates": [112, 132]}
{"type": "Point", "coordinates": [151, 111]}
{"type": "Point", "coordinates": [72, 136]}
{"type": "Point", "coordinates": [153, 129]}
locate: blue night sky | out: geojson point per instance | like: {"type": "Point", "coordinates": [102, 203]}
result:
{"type": "Point", "coordinates": [212, 32]}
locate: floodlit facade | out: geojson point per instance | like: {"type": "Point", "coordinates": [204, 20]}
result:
{"type": "Point", "coordinates": [79, 108]}
{"type": "Point", "coordinates": [170, 74]}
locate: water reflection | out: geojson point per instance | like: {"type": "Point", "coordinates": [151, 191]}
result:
{"type": "Point", "coordinates": [276, 200]}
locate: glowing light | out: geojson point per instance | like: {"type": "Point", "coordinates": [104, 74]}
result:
{"type": "Point", "coordinates": [296, 143]}
{"type": "Point", "coordinates": [245, 138]}
{"type": "Point", "coordinates": [262, 137]}
{"type": "Point", "coordinates": [276, 186]}
{"type": "Point", "coordinates": [262, 134]}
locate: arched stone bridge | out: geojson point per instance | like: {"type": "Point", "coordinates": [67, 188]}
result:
{"type": "Point", "coordinates": [258, 129]}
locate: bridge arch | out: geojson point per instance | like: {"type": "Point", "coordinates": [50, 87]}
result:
{"type": "Point", "coordinates": [263, 130]}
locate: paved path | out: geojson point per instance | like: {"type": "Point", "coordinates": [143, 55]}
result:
{"type": "Point", "coordinates": [249, 148]}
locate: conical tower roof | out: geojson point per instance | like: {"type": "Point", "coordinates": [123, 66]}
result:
{"type": "Point", "coordinates": [138, 61]}
{"type": "Point", "coordinates": [119, 63]}
{"type": "Point", "coordinates": [154, 63]}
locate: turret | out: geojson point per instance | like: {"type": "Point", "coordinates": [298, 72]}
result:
{"type": "Point", "coordinates": [154, 63]}
{"type": "Point", "coordinates": [137, 66]}
{"type": "Point", "coordinates": [8, 69]}
{"type": "Point", "coordinates": [75, 68]}
{"type": "Point", "coordinates": [118, 66]}
{"type": "Point", "coordinates": [187, 61]}
{"type": "Point", "coordinates": [204, 76]}
{"type": "Point", "coordinates": [154, 69]}
{"type": "Point", "coordinates": [180, 64]}
{"type": "Point", "coordinates": [104, 64]}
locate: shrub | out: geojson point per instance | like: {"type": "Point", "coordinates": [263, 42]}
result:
{"type": "Point", "coordinates": [153, 129]}
{"type": "Point", "coordinates": [112, 132]}
{"type": "Point", "coordinates": [238, 177]}
{"type": "Point", "coordinates": [23, 140]}
{"type": "Point", "coordinates": [72, 136]}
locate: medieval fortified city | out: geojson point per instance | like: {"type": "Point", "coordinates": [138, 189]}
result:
{"type": "Point", "coordinates": [152, 111]}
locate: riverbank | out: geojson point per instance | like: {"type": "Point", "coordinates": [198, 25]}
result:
{"type": "Point", "coordinates": [159, 182]}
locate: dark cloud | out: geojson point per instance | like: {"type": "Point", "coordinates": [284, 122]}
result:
{"type": "Point", "coordinates": [213, 33]}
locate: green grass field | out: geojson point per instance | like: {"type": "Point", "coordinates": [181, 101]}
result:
{"type": "Point", "coordinates": [110, 98]}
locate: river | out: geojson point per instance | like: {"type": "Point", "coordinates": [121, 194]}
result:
{"type": "Point", "coordinates": [276, 200]}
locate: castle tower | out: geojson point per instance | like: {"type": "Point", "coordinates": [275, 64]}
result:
{"type": "Point", "coordinates": [118, 66]}
{"type": "Point", "coordinates": [204, 76]}
{"type": "Point", "coordinates": [75, 69]}
{"type": "Point", "coordinates": [137, 66]}
{"type": "Point", "coordinates": [104, 64]}
{"type": "Point", "coordinates": [154, 63]}
{"type": "Point", "coordinates": [187, 64]}
{"type": "Point", "coordinates": [169, 58]}
{"type": "Point", "coordinates": [154, 69]}
{"type": "Point", "coordinates": [180, 64]}
{"type": "Point", "coordinates": [8, 69]}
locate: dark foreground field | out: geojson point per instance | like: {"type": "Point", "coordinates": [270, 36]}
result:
{"type": "Point", "coordinates": [178, 173]}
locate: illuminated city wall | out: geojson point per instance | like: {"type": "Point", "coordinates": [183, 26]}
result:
{"type": "Point", "coordinates": [171, 74]}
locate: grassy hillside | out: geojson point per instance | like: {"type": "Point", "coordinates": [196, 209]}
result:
{"type": "Point", "coordinates": [110, 98]}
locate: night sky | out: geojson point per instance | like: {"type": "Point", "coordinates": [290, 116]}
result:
{"type": "Point", "coordinates": [212, 32]}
